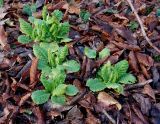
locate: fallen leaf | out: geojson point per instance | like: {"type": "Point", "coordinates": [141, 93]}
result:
{"type": "Point", "coordinates": [149, 91]}
{"type": "Point", "coordinates": [75, 116]}
{"type": "Point", "coordinates": [144, 103]}
{"type": "Point", "coordinates": [91, 119]}
{"type": "Point", "coordinates": [127, 34]}
{"type": "Point", "coordinates": [73, 9]}
{"type": "Point", "coordinates": [133, 62]}
{"type": "Point", "coordinates": [33, 72]}
{"type": "Point", "coordinates": [3, 38]}
{"type": "Point", "coordinates": [144, 59]}
{"type": "Point", "coordinates": [106, 100]}
{"type": "Point", "coordinates": [139, 115]}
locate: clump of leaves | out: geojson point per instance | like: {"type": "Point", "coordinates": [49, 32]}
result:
{"type": "Point", "coordinates": [112, 77]}
{"type": "Point", "coordinates": [91, 53]}
{"type": "Point", "coordinates": [85, 15]}
{"type": "Point", "coordinates": [29, 9]}
{"type": "Point", "coordinates": [133, 25]}
{"type": "Point", "coordinates": [49, 29]}
{"type": "Point", "coordinates": [54, 66]}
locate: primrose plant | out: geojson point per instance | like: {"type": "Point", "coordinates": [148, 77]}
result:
{"type": "Point", "coordinates": [48, 29]}
{"type": "Point", "coordinates": [112, 77]}
{"type": "Point", "coordinates": [54, 66]}
{"type": "Point", "coordinates": [52, 58]}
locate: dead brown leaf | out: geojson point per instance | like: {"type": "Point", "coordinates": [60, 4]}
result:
{"type": "Point", "coordinates": [33, 72]}
{"type": "Point", "coordinates": [133, 62]}
{"type": "Point", "coordinates": [106, 100]}
{"type": "Point", "coordinates": [3, 38]}
{"type": "Point", "coordinates": [144, 59]}
{"type": "Point", "coordinates": [149, 91]}
{"type": "Point", "coordinates": [73, 9]}
{"type": "Point", "coordinates": [144, 103]}
{"type": "Point", "coordinates": [91, 119]}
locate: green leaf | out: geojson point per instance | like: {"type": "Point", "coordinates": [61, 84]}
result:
{"type": "Point", "coordinates": [121, 67]}
{"type": "Point", "coordinates": [105, 52]}
{"type": "Point", "coordinates": [29, 9]}
{"type": "Point", "coordinates": [40, 52]}
{"type": "Point", "coordinates": [90, 53]}
{"type": "Point", "coordinates": [105, 71]}
{"type": "Point", "coordinates": [44, 13]}
{"type": "Point", "coordinates": [71, 66]}
{"type": "Point", "coordinates": [25, 27]}
{"type": "Point", "coordinates": [63, 30]}
{"type": "Point", "coordinates": [40, 96]}
{"type": "Point", "coordinates": [71, 90]}
{"type": "Point", "coordinates": [57, 14]}
{"type": "Point", "coordinates": [53, 47]}
{"type": "Point", "coordinates": [95, 85]}
{"type": "Point", "coordinates": [42, 63]}
{"type": "Point", "coordinates": [61, 55]}
{"type": "Point", "coordinates": [1, 3]}
{"type": "Point", "coordinates": [127, 79]}
{"type": "Point", "coordinates": [133, 25]}
{"type": "Point", "coordinates": [58, 100]}
{"type": "Point", "coordinates": [85, 15]}
{"type": "Point", "coordinates": [59, 90]}
{"type": "Point", "coordinates": [117, 87]}
{"type": "Point", "coordinates": [56, 76]}
{"type": "Point", "coordinates": [24, 39]}
{"type": "Point", "coordinates": [66, 40]}
{"type": "Point", "coordinates": [158, 12]}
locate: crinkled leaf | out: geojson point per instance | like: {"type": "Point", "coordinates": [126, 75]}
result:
{"type": "Point", "coordinates": [90, 53]}
{"type": "Point", "coordinates": [127, 79]}
{"type": "Point", "coordinates": [105, 52]}
{"type": "Point", "coordinates": [25, 27]}
{"type": "Point", "coordinates": [117, 87]}
{"type": "Point", "coordinates": [85, 15]}
{"type": "Point", "coordinates": [71, 90]}
{"type": "Point", "coordinates": [105, 71]}
{"type": "Point", "coordinates": [56, 77]}
{"type": "Point", "coordinates": [61, 55]}
{"type": "Point", "coordinates": [44, 13]}
{"type": "Point", "coordinates": [29, 9]}
{"type": "Point", "coordinates": [40, 96]}
{"type": "Point", "coordinates": [59, 90]}
{"type": "Point", "coordinates": [57, 14]}
{"type": "Point", "coordinates": [133, 25]}
{"type": "Point", "coordinates": [121, 67]}
{"type": "Point", "coordinates": [95, 85]}
{"type": "Point", "coordinates": [42, 63]}
{"type": "Point", "coordinates": [58, 100]}
{"type": "Point", "coordinates": [63, 30]}
{"type": "Point", "coordinates": [40, 52]}
{"type": "Point", "coordinates": [24, 39]}
{"type": "Point", "coordinates": [71, 66]}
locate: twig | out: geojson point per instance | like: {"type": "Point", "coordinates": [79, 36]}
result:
{"type": "Point", "coordinates": [134, 86]}
{"type": "Point", "coordinates": [142, 26]}
{"type": "Point", "coordinates": [109, 117]}
{"type": "Point", "coordinates": [77, 98]}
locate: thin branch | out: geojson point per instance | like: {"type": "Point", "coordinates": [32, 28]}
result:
{"type": "Point", "coordinates": [109, 117]}
{"type": "Point", "coordinates": [142, 27]}
{"type": "Point", "coordinates": [138, 85]}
